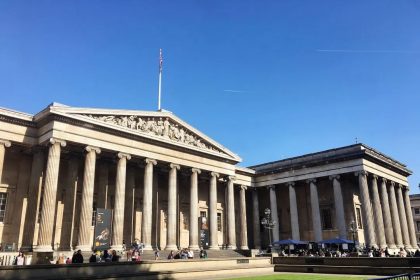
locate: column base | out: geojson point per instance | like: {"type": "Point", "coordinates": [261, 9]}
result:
{"type": "Point", "coordinates": [26, 248]}
{"type": "Point", "coordinates": [231, 247]}
{"type": "Point", "coordinates": [43, 248]}
{"type": "Point", "coordinates": [214, 248]}
{"type": "Point", "coordinates": [171, 247]}
{"type": "Point", "coordinates": [392, 246]}
{"type": "Point", "coordinates": [148, 247]}
{"type": "Point", "coordinates": [194, 247]}
{"type": "Point", "coordinates": [42, 257]}
{"type": "Point", "coordinates": [84, 248]}
{"type": "Point", "coordinates": [244, 248]}
{"type": "Point", "coordinates": [117, 248]}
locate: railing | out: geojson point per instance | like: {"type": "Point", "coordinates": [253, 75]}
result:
{"type": "Point", "coordinates": [407, 276]}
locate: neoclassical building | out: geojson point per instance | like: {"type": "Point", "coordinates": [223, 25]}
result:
{"type": "Point", "coordinates": [159, 175]}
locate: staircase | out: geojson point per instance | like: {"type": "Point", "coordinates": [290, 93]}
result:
{"type": "Point", "coordinates": [217, 254]}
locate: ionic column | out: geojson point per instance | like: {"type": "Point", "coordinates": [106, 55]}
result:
{"type": "Point", "coordinates": [403, 217]}
{"type": "Point", "coordinates": [66, 241]}
{"type": "Point", "coordinates": [395, 216]}
{"type": "Point", "coordinates": [274, 213]}
{"type": "Point", "coordinates": [194, 209]}
{"type": "Point", "coordinates": [171, 229]}
{"type": "Point", "coordinates": [256, 219]}
{"type": "Point", "coordinates": [366, 209]}
{"type": "Point", "coordinates": [409, 213]}
{"type": "Point", "coordinates": [3, 145]}
{"type": "Point", "coordinates": [377, 213]}
{"type": "Point", "coordinates": [389, 232]}
{"type": "Point", "coordinates": [214, 243]}
{"type": "Point", "coordinates": [242, 211]}
{"type": "Point", "coordinates": [316, 217]}
{"type": "Point", "coordinates": [85, 222]}
{"type": "Point", "coordinates": [119, 204]}
{"type": "Point", "coordinates": [294, 217]}
{"type": "Point", "coordinates": [146, 227]}
{"type": "Point", "coordinates": [34, 189]}
{"type": "Point", "coordinates": [231, 214]}
{"type": "Point", "coordinates": [46, 224]}
{"type": "Point", "coordinates": [339, 206]}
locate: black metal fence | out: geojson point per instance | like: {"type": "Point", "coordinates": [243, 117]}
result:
{"type": "Point", "coordinates": [407, 276]}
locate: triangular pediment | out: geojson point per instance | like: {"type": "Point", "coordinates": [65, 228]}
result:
{"type": "Point", "coordinates": [158, 125]}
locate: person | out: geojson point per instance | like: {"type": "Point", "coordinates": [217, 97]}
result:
{"type": "Point", "coordinates": [77, 257]}
{"type": "Point", "coordinates": [92, 258]}
{"type": "Point", "coordinates": [417, 253]}
{"type": "Point", "coordinates": [402, 253]}
{"type": "Point", "coordinates": [387, 254]}
{"type": "Point", "coordinates": [203, 254]}
{"type": "Point", "coordinates": [61, 259]}
{"type": "Point", "coordinates": [171, 255]}
{"type": "Point", "coordinates": [115, 257]}
{"type": "Point", "coordinates": [106, 257]}
{"type": "Point", "coordinates": [190, 254]}
{"type": "Point", "coordinates": [20, 259]}
{"type": "Point", "coordinates": [68, 260]}
{"type": "Point", "coordinates": [141, 247]}
{"type": "Point", "coordinates": [156, 254]}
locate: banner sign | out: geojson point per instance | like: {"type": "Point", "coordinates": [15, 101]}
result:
{"type": "Point", "coordinates": [204, 232]}
{"type": "Point", "coordinates": [103, 229]}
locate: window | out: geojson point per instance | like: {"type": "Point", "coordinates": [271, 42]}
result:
{"type": "Point", "coordinates": [219, 221]}
{"type": "Point", "coordinates": [418, 225]}
{"type": "Point", "coordinates": [417, 211]}
{"type": "Point", "coordinates": [326, 218]}
{"type": "Point", "coordinates": [203, 214]}
{"type": "Point", "coordinates": [359, 218]}
{"type": "Point", "coordinates": [3, 200]}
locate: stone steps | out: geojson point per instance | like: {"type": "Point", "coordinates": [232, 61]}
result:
{"type": "Point", "coordinates": [150, 255]}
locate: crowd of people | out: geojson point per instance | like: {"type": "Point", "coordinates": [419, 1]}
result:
{"type": "Point", "coordinates": [366, 252]}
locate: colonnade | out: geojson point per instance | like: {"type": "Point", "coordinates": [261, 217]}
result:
{"type": "Point", "coordinates": [49, 195]}
{"type": "Point", "coordinates": [387, 215]}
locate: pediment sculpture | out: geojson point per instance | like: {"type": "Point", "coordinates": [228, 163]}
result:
{"type": "Point", "coordinates": [158, 126]}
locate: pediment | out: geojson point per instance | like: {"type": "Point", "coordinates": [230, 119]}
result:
{"type": "Point", "coordinates": [160, 125]}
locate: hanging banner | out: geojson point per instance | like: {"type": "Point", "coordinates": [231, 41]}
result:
{"type": "Point", "coordinates": [204, 232]}
{"type": "Point", "coordinates": [102, 229]}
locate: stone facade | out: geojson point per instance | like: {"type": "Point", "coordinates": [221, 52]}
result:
{"type": "Point", "coordinates": [415, 208]}
{"type": "Point", "coordinates": [159, 175]}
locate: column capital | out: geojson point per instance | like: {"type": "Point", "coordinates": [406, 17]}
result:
{"type": "Point", "coordinates": [174, 166]}
{"type": "Point", "coordinates": [124, 155]}
{"type": "Point", "coordinates": [271, 187]}
{"type": "Point", "coordinates": [150, 161]}
{"type": "Point", "coordinates": [232, 178]}
{"type": "Point", "coordinates": [374, 176]}
{"type": "Point", "coordinates": [62, 143]}
{"type": "Point", "coordinates": [215, 174]}
{"type": "Point", "coordinates": [334, 177]}
{"type": "Point", "coordinates": [392, 183]}
{"type": "Point", "coordinates": [384, 180]}
{"type": "Point", "coordinates": [361, 172]}
{"type": "Point", "coordinates": [242, 187]}
{"type": "Point", "coordinates": [93, 149]}
{"type": "Point", "coordinates": [5, 143]}
{"type": "Point", "coordinates": [290, 184]}
{"type": "Point", "coordinates": [312, 180]}
{"type": "Point", "coordinates": [196, 170]}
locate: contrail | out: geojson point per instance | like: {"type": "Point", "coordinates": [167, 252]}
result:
{"type": "Point", "coordinates": [234, 90]}
{"type": "Point", "coordinates": [366, 51]}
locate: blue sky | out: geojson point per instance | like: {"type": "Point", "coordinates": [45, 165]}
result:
{"type": "Point", "coordinates": [267, 79]}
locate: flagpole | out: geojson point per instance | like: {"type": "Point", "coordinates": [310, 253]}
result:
{"type": "Point", "coordinates": [160, 77]}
